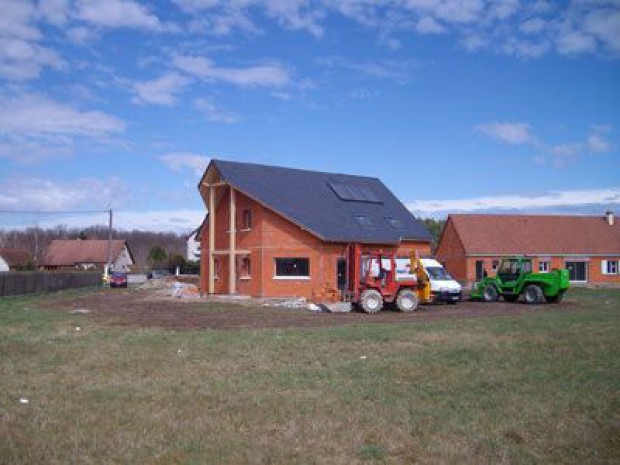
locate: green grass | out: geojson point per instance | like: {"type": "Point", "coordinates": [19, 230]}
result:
{"type": "Point", "coordinates": [538, 388]}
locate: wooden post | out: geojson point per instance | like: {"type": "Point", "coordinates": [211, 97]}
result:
{"type": "Point", "coordinates": [232, 269]}
{"type": "Point", "coordinates": [211, 239]}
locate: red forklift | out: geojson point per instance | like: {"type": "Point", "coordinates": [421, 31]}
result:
{"type": "Point", "coordinates": [373, 281]}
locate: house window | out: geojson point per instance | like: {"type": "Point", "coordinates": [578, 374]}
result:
{"type": "Point", "coordinates": [244, 267]}
{"type": "Point", "coordinates": [543, 266]}
{"type": "Point", "coordinates": [610, 267]}
{"type": "Point", "coordinates": [495, 266]}
{"type": "Point", "coordinates": [394, 222]}
{"type": "Point", "coordinates": [246, 219]}
{"type": "Point", "coordinates": [292, 268]}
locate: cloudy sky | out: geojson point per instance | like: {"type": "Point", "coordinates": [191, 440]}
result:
{"type": "Point", "coordinates": [457, 105]}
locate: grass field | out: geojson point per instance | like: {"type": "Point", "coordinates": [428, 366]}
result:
{"type": "Point", "coordinates": [535, 388]}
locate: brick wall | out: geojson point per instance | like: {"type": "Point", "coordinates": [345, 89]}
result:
{"type": "Point", "coordinates": [451, 254]}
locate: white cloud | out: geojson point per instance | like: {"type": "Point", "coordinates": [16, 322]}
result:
{"type": "Point", "coordinates": [267, 75]}
{"type": "Point", "coordinates": [39, 115]}
{"type": "Point", "coordinates": [511, 133]}
{"type": "Point", "coordinates": [214, 113]}
{"type": "Point", "coordinates": [40, 194]}
{"type": "Point", "coordinates": [185, 160]}
{"type": "Point", "coordinates": [53, 11]}
{"type": "Point", "coordinates": [559, 200]}
{"type": "Point", "coordinates": [605, 25]}
{"type": "Point", "coordinates": [570, 42]}
{"type": "Point", "coordinates": [160, 91]}
{"type": "Point", "coordinates": [117, 14]}
{"type": "Point", "coordinates": [22, 60]}
{"type": "Point", "coordinates": [597, 143]}
{"type": "Point", "coordinates": [428, 25]}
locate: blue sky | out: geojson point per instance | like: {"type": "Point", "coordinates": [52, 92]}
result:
{"type": "Point", "coordinates": [457, 105]}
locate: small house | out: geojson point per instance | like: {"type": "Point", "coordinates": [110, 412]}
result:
{"type": "Point", "coordinates": [283, 232]}
{"type": "Point", "coordinates": [472, 245]}
{"type": "Point", "coordinates": [86, 255]}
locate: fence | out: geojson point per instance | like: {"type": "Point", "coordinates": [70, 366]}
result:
{"type": "Point", "coordinates": [28, 282]}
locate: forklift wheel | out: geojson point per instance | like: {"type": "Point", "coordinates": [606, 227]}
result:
{"type": "Point", "coordinates": [371, 301]}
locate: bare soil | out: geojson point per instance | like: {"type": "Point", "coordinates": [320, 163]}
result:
{"type": "Point", "coordinates": [148, 309]}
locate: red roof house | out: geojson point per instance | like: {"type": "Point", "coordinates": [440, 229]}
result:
{"type": "Point", "coordinates": [588, 246]}
{"type": "Point", "coordinates": [86, 254]}
{"type": "Point", "coordinates": [12, 259]}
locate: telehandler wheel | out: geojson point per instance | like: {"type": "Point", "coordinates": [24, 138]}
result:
{"type": "Point", "coordinates": [533, 294]}
{"type": "Point", "coordinates": [371, 301]}
{"type": "Point", "coordinates": [490, 294]}
{"type": "Point", "coordinates": [407, 301]}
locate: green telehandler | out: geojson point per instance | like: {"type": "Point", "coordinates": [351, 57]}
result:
{"type": "Point", "coordinates": [515, 278]}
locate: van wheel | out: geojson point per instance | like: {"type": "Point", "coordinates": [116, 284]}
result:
{"type": "Point", "coordinates": [533, 294]}
{"type": "Point", "coordinates": [490, 294]}
{"type": "Point", "coordinates": [407, 301]}
{"type": "Point", "coordinates": [371, 301]}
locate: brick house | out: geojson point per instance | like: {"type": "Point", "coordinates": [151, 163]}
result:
{"type": "Point", "coordinates": [88, 254]}
{"type": "Point", "coordinates": [281, 232]}
{"type": "Point", "coordinates": [588, 246]}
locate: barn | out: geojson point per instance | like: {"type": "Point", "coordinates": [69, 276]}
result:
{"type": "Point", "coordinates": [283, 232]}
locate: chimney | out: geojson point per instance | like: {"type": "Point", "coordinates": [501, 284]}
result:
{"type": "Point", "coordinates": [609, 216]}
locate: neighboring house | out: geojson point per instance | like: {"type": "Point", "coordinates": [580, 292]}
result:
{"type": "Point", "coordinates": [13, 259]}
{"type": "Point", "coordinates": [588, 246]}
{"type": "Point", "coordinates": [193, 245]}
{"type": "Point", "coordinates": [279, 232]}
{"type": "Point", "coordinates": [86, 255]}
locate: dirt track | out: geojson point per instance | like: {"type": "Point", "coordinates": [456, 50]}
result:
{"type": "Point", "coordinates": [146, 309]}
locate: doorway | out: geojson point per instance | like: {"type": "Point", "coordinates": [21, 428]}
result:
{"type": "Point", "coordinates": [341, 273]}
{"type": "Point", "coordinates": [577, 271]}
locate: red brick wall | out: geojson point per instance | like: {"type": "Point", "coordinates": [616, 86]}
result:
{"type": "Point", "coordinates": [271, 237]}
{"type": "Point", "coordinates": [450, 252]}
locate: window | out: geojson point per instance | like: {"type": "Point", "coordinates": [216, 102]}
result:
{"type": "Point", "coordinates": [495, 265]}
{"type": "Point", "coordinates": [292, 267]}
{"type": "Point", "coordinates": [394, 222]}
{"type": "Point", "coordinates": [363, 220]}
{"type": "Point", "coordinates": [543, 266]}
{"type": "Point", "coordinates": [610, 266]}
{"type": "Point", "coordinates": [246, 219]}
{"type": "Point", "coordinates": [244, 267]}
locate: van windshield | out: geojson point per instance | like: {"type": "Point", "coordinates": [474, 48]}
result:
{"type": "Point", "coordinates": [437, 273]}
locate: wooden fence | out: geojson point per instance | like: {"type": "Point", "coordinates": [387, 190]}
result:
{"type": "Point", "coordinates": [28, 282]}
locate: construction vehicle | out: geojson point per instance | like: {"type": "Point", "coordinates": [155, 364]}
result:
{"type": "Point", "coordinates": [373, 281]}
{"type": "Point", "coordinates": [442, 287]}
{"type": "Point", "coordinates": [515, 278]}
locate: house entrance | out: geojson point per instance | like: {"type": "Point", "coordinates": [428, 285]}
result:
{"type": "Point", "coordinates": [577, 271]}
{"type": "Point", "coordinates": [341, 273]}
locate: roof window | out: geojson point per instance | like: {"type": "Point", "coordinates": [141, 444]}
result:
{"type": "Point", "coordinates": [395, 222]}
{"type": "Point", "coordinates": [363, 220]}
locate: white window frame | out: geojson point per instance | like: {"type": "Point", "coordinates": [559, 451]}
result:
{"type": "Point", "coordinates": [276, 276]}
{"type": "Point", "coordinates": [544, 266]}
{"type": "Point", "coordinates": [610, 267]}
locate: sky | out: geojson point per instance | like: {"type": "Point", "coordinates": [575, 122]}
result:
{"type": "Point", "coordinates": [456, 105]}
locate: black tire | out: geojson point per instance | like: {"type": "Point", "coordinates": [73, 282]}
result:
{"type": "Point", "coordinates": [490, 294]}
{"type": "Point", "coordinates": [511, 298]}
{"type": "Point", "coordinates": [371, 301]}
{"type": "Point", "coordinates": [533, 294]}
{"type": "Point", "coordinates": [556, 299]}
{"type": "Point", "coordinates": [407, 301]}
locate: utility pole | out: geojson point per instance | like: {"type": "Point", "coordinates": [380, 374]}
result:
{"type": "Point", "coordinates": [107, 270]}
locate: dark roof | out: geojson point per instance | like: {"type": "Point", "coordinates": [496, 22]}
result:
{"type": "Point", "coordinates": [334, 207]}
{"type": "Point", "coordinates": [536, 234]}
{"type": "Point", "coordinates": [14, 257]}
{"type": "Point", "coordinates": [69, 252]}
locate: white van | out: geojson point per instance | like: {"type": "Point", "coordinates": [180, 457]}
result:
{"type": "Point", "coordinates": [443, 286]}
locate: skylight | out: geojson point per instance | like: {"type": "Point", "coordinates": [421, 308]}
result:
{"type": "Point", "coordinates": [363, 220]}
{"type": "Point", "coordinates": [353, 192]}
{"type": "Point", "coordinates": [395, 222]}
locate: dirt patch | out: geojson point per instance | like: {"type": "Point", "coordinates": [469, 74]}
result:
{"type": "Point", "coordinates": [143, 308]}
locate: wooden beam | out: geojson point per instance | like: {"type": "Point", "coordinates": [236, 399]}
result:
{"type": "Point", "coordinates": [214, 184]}
{"type": "Point", "coordinates": [232, 234]}
{"type": "Point", "coordinates": [211, 240]}
{"type": "Point", "coordinates": [226, 252]}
